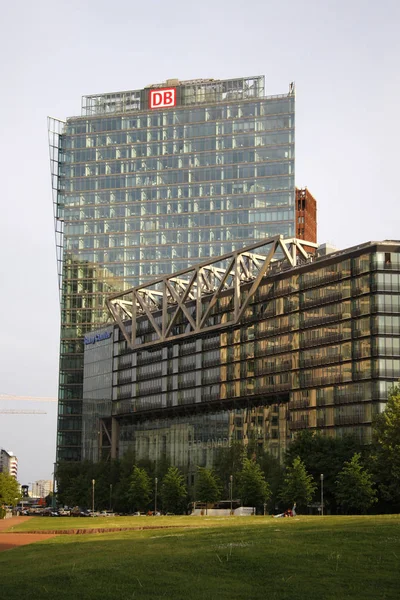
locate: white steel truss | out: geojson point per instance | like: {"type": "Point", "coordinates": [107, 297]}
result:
{"type": "Point", "coordinates": [187, 297]}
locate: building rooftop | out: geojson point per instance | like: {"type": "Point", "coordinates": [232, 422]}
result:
{"type": "Point", "coordinates": [190, 92]}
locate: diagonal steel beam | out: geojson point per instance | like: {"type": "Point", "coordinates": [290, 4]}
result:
{"type": "Point", "coordinates": [134, 321]}
{"type": "Point", "coordinates": [236, 288]}
{"type": "Point", "coordinates": [217, 292]}
{"type": "Point", "coordinates": [148, 314]}
{"type": "Point", "coordinates": [164, 318]}
{"type": "Point", "coordinates": [179, 301]}
{"type": "Point", "coordinates": [105, 430]}
{"type": "Point", "coordinates": [257, 280]}
{"type": "Point", "coordinates": [246, 270]}
{"type": "Point", "coordinates": [180, 306]}
{"type": "Point", "coordinates": [125, 306]}
{"type": "Point", "coordinates": [300, 245]}
{"type": "Point", "coordinates": [286, 252]}
{"type": "Point", "coordinates": [183, 285]}
{"type": "Point", "coordinates": [118, 319]}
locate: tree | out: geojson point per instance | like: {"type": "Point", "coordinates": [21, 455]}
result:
{"type": "Point", "coordinates": [386, 449]}
{"type": "Point", "coordinates": [140, 491]}
{"type": "Point", "coordinates": [71, 484]}
{"type": "Point", "coordinates": [121, 490]}
{"type": "Point", "coordinates": [253, 489]}
{"type": "Point", "coordinates": [354, 487]}
{"type": "Point", "coordinates": [74, 483]}
{"type": "Point", "coordinates": [228, 461]}
{"type": "Point", "coordinates": [273, 473]}
{"type": "Point", "coordinates": [322, 454]}
{"type": "Point", "coordinates": [9, 490]}
{"type": "Point", "coordinates": [298, 486]}
{"type": "Point", "coordinates": [173, 491]}
{"type": "Point", "coordinates": [208, 487]}
{"type": "Point", "coordinates": [49, 499]}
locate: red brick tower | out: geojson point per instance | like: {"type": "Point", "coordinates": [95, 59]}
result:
{"type": "Point", "coordinates": [306, 215]}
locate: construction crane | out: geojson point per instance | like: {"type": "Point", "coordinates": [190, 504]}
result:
{"type": "Point", "coordinates": [27, 398]}
{"type": "Point", "coordinates": [22, 412]}
{"type": "Point", "coordinates": [13, 397]}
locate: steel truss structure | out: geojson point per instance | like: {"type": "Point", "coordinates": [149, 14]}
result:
{"type": "Point", "coordinates": [188, 297]}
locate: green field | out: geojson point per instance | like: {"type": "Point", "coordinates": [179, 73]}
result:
{"type": "Point", "coordinates": [213, 559]}
{"type": "Point", "coordinates": [62, 523]}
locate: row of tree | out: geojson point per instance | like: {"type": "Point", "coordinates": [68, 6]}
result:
{"type": "Point", "coordinates": [10, 492]}
{"type": "Point", "coordinates": [354, 487]}
{"type": "Point", "coordinates": [372, 472]}
{"type": "Point", "coordinates": [355, 477]}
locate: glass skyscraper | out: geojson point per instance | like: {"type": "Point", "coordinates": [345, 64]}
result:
{"type": "Point", "coordinates": [151, 181]}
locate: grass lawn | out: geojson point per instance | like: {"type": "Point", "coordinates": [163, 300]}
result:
{"type": "Point", "coordinates": [237, 559]}
{"type": "Point", "coordinates": [63, 523]}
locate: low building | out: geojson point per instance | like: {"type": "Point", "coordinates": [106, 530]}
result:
{"type": "Point", "coordinates": [252, 346]}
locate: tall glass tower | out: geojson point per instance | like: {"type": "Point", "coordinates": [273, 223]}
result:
{"type": "Point", "coordinates": [151, 181]}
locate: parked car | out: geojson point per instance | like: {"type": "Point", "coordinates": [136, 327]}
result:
{"type": "Point", "coordinates": [79, 512]}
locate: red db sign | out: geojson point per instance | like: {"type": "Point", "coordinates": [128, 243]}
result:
{"type": "Point", "coordinates": [164, 98]}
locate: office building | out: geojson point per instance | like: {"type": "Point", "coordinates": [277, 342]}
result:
{"type": "Point", "coordinates": [8, 463]}
{"type": "Point", "coordinates": [257, 345]}
{"type": "Point", "coordinates": [151, 181]}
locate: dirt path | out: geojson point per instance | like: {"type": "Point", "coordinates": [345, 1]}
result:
{"type": "Point", "coordinates": [10, 523]}
{"type": "Point", "coordinates": [9, 540]}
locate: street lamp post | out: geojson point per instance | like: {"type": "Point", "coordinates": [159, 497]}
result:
{"type": "Point", "coordinates": [110, 497]}
{"type": "Point", "coordinates": [93, 482]}
{"type": "Point", "coordinates": [231, 489]}
{"type": "Point", "coordinates": [322, 494]}
{"type": "Point", "coordinates": [155, 495]}
{"type": "Point", "coordinates": [53, 499]}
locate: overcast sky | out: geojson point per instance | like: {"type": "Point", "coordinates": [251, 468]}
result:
{"type": "Point", "coordinates": [343, 56]}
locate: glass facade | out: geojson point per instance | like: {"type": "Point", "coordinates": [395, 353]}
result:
{"type": "Point", "coordinates": [141, 192]}
{"type": "Point", "coordinates": [317, 348]}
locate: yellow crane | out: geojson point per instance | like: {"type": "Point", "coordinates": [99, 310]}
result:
{"type": "Point", "coordinates": [13, 397]}
{"type": "Point", "coordinates": [22, 412]}
{"type": "Point", "coordinates": [27, 398]}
